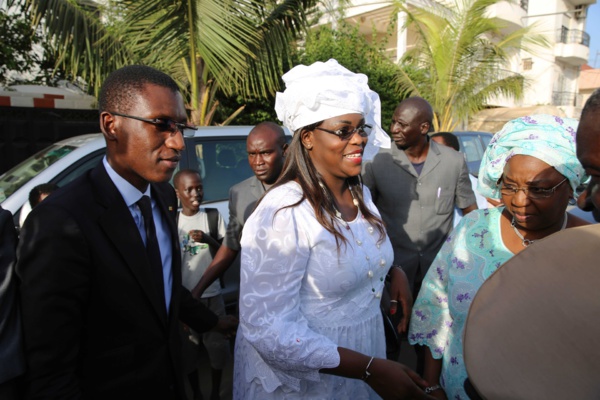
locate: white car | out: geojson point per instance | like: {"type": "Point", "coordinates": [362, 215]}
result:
{"type": "Point", "coordinates": [219, 153]}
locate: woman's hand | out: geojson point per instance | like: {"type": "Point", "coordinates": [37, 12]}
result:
{"type": "Point", "coordinates": [392, 380]}
{"type": "Point", "coordinates": [432, 370]}
{"type": "Point", "coordinates": [400, 293]}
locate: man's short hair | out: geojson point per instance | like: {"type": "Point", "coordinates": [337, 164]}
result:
{"type": "Point", "coordinates": [272, 126]}
{"type": "Point", "coordinates": [120, 88]}
{"type": "Point", "coordinates": [184, 172]}
{"type": "Point", "coordinates": [592, 104]}
{"type": "Point", "coordinates": [449, 138]}
{"type": "Point", "coordinates": [423, 107]}
{"type": "Point", "coordinates": [38, 191]}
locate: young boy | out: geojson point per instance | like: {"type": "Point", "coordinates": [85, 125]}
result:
{"type": "Point", "coordinates": [196, 245]}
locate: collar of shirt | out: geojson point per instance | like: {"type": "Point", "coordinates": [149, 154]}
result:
{"type": "Point", "coordinates": [131, 195]}
{"type": "Point", "coordinates": [129, 192]}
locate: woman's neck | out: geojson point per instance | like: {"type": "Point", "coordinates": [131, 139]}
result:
{"type": "Point", "coordinates": [517, 238]}
{"type": "Point", "coordinates": [343, 199]}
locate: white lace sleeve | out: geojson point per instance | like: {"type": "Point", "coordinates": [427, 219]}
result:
{"type": "Point", "coordinates": [276, 248]}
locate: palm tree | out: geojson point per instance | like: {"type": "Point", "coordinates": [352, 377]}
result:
{"type": "Point", "coordinates": [457, 61]}
{"type": "Point", "coordinates": [240, 46]}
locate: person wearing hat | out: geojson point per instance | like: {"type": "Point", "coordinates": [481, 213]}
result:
{"type": "Point", "coordinates": [531, 164]}
{"type": "Point", "coordinates": [315, 255]}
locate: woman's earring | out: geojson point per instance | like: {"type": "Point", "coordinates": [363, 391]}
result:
{"type": "Point", "coordinates": [308, 146]}
{"type": "Point", "coordinates": [572, 201]}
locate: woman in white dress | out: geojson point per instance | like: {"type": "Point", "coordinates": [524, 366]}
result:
{"type": "Point", "coordinates": [315, 255]}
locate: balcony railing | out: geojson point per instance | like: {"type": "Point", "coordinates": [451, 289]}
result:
{"type": "Point", "coordinates": [564, 98]}
{"type": "Point", "coordinates": [573, 36]}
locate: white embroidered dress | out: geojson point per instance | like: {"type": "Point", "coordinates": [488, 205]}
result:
{"type": "Point", "coordinates": [301, 299]}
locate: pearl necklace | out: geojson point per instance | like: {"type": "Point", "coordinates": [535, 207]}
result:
{"type": "Point", "coordinates": [527, 242]}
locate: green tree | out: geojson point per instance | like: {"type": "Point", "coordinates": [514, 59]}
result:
{"type": "Point", "coordinates": [17, 39]}
{"type": "Point", "coordinates": [352, 50]}
{"type": "Point", "coordinates": [237, 47]}
{"type": "Point", "coordinates": [457, 61]}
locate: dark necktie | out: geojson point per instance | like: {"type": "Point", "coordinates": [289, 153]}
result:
{"type": "Point", "coordinates": [152, 248]}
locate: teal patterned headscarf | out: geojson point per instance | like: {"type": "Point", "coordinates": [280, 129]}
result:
{"type": "Point", "coordinates": [545, 137]}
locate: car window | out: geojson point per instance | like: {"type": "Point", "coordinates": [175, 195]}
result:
{"type": "Point", "coordinates": [79, 168]}
{"type": "Point", "coordinates": [486, 140]}
{"type": "Point", "coordinates": [222, 164]}
{"type": "Point", "coordinates": [472, 147]}
{"type": "Point", "coordinates": [18, 176]}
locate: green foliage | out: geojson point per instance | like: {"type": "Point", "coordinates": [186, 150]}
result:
{"type": "Point", "coordinates": [208, 46]}
{"type": "Point", "coordinates": [458, 58]}
{"type": "Point", "coordinates": [352, 50]}
{"type": "Point", "coordinates": [25, 52]}
{"type": "Point", "coordinates": [16, 45]}
{"type": "Point", "coordinates": [256, 110]}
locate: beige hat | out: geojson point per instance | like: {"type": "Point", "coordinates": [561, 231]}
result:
{"type": "Point", "coordinates": [533, 329]}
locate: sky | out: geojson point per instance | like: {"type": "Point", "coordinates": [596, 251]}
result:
{"type": "Point", "coordinates": [593, 28]}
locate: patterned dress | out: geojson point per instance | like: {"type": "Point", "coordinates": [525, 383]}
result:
{"type": "Point", "coordinates": [301, 298]}
{"type": "Point", "coordinates": [471, 253]}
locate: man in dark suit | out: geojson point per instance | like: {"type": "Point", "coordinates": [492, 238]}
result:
{"type": "Point", "coordinates": [266, 146]}
{"type": "Point", "coordinates": [99, 260]}
{"type": "Point", "coordinates": [12, 363]}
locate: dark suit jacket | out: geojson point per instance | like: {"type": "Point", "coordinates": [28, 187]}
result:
{"type": "Point", "coordinates": [92, 317]}
{"type": "Point", "coordinates": [11, 356]}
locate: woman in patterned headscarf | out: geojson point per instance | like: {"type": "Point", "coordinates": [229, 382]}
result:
{"type": "Point", "coordinates": [532, 165]}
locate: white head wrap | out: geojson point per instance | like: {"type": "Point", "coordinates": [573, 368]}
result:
{"type": "Point", "coordinates": [325, 90]}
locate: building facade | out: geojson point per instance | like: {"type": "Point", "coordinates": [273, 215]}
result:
{"type": "Point", "coordinates": [552, 73]}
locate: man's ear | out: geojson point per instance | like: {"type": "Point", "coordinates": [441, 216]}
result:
{"type": "Point", "coordinates": [108, 126]}
{"type": "Point", "coordinates": [425, 127]}
{"type": "Point", "coordinates": [285, 149]}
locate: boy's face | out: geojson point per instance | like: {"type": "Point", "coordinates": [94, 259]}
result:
{"type": "Point", "coordinates": [189, 190]}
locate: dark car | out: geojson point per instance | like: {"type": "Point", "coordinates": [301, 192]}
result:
{"type": "Point", "coordinates": [473, 145]}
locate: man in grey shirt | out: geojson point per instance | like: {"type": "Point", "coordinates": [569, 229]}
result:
{"type": "Point", "coordinates": [415, 185]}
{"type": "Point", "coordinates": [266, 145]}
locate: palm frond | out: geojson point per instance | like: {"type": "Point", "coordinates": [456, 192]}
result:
{"type": "Point", "coordinates": [87, 47]}
{"type": "Point", "coordinates": [459, 52]}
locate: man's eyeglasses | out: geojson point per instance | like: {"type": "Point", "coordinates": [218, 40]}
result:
{"type": "Point", "coordinates": [165, 125]}
{"type": "Point", "coordinates": [531, 192]}
{"type": "Point", "coordinates": [346, 133]}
